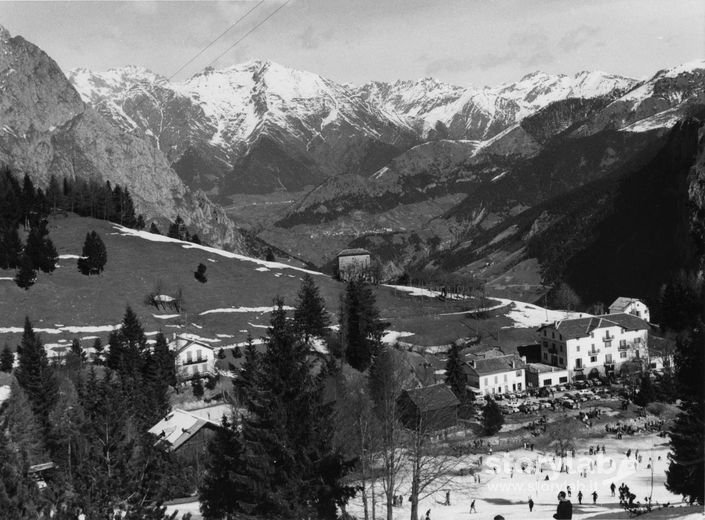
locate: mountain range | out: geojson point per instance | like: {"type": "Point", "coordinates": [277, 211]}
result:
{"type": "Point", "coordinates": [427, 175]}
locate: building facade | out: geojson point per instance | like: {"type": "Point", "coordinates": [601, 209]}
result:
{"type": "Point", "coordinates": [193, 358]}
{"type": "Point", "coordinates": [496, 375]}
{"type": "Point", "coordinates": [624, 305]}
{"type": "Point", "coordinates": [541, 374]}
{"type": "Point", "coordinates": [596, 345]}
{"type": "Point", "coordinates": [353, 263]}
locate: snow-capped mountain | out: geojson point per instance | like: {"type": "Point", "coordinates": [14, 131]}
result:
{"type": "Point", "coordinates": [257, 126]}
{"type": "Point", "coordinates": [440, 110]}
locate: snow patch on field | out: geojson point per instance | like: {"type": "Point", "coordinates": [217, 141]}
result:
{"type": "Point", "coordinates": [123, 231]}
{"type": "Point", "coordinates": [529, 315]}
{"type": "Point", "coordinates": [62, 330]}
{"type": "Point", "coordinates": [166, 316]}
{"type": "Point", "coordinates": [245, 309]}
{"type": "Point", "coordinates": [69, 257]}
{"type": "Point", "coordinates": [392, 336]}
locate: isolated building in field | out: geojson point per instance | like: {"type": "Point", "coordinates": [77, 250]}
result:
{"type": "Point", "coordinates": [193, 358]}
{"type": "Point", "coordinates": [496, 375]}
{"type": "Point", "coordinates": [353, 263]}
{"type": "Point", "coordinates": [429, 408]}
{"type": "Point", "coordinates": [596, 345]}
{"type": "Point", "coordinates": [624, 305]}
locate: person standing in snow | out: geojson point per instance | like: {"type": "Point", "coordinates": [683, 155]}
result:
{"type": "Point", "coordinates": [594, 497]}
{"type": "Point", "coordinates": [564, 511]}
{"type": "Point", "coordinates": [428, 515]}
{"type": "Point", "coordinates": [612, 488]}
{"type": "Point", "coordinates": [580, 497]}
{"type": "Point", "coordinates": [472, 507]}
{"type": "Point", "coordinates": [531, 505]}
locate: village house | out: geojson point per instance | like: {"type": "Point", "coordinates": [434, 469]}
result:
{"type": "Point", "coordinates": [429, 408]}
{"type": "Point", "coordinates": [595, 345]}
{"type": "Point", "coordinates": [353, 263]}
{"type": "Point", "coordinates": [187, 435]}
{"type": "Point", "coordinates": [624, 305]}
{"type": "Point", "coordinates": [496, 375]}
{"type": "Point", "coordinates": [193, 358]}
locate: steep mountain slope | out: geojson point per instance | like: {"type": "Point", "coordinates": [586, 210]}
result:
{"type": "Point", "coordinates": [252, 128]}
{"type": "Point", "coordinates": [47, 129]}
{"type": "Point", "coordinates": [549, 152]}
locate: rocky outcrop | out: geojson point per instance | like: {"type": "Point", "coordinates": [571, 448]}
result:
{"type": "Point", "coordinates": [48, 130]}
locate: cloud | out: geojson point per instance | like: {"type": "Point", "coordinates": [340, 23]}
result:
{"type": "Point", "coordinates": [579, 37]}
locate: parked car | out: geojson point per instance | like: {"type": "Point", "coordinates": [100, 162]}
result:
{"type": "Point", "coordinates": [544, 392]}
{"type": "Point", "coordinates": [568, 403]}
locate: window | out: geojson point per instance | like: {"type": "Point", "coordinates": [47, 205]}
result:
{"type": "Point", "coordinates": [608, 343]}
{"type": "Point", "coordinates": [189, 357]}
{"type": "Point", "coordinates": [579, 363]}
{"type": "Point", "coordinates": [505, 378]}
{"type": "Point", "coordinates": [518, 374]}
{"type": "Point", "coordinates": [577, 349]}
{"type": "Point", "coordinates": [545, 356]}
{"type": "Point", "coordinates": [519, 386]}
{"type": "Point", "coordinates": [545, 332]}
{"type": "Point", "coordinates": [495, 380]}
{"type": "Point", "coordinates": [637, 341]}
{"type": "Point", "coordinates": [553, 335]}
{"type": "Point", "coordinates": [622, 355]}
{"type": "Point", "coordinates": [563, 379]}
{"type": "Point", "coordinates": [546, 382]}
{"type": "Point", "coordinates": [545, 344]}
{"type": "Point", "coordinates": [487, 381]}
{"type": "Point", "coordinates": [199, 355]}
{"type": "Point", "coordinates": [593, 359]}
{"type": "Point", "coordinates": [560, 347]}
{"type": "Point", "coordinates": [560, 360]}
{"type": "Point", "coordinates": [608, 358]}
{"type": "Point", "coordinates": [623, 343]}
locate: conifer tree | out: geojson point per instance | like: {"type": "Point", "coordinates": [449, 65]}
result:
{"type": "Point", "coordinates": [140, 224]}
{"type": "Point", "coordinates": [178, 229]}
{"type": "Point", "coordinates": [93, 256]}
{"type": "Point", "coordinates": [35, 375]}
{"type": "Point", "coordinates": [360, 326]}
{"type": "Point", "coordinates": [10, 247]}
{"type": "Point", "coordinates": [19, 494]}
{"type": "Point", "coordinates": [98, 351]}
{"type": "Point", "coordinates": [646, 394]}
{"type": "Point", "coordinates": [22, 426]}
{"type": "Point", "coordinates": [54, 194]}
{"type": "Point", "coordinates": [7, 359]}
{"type": "Point", "coordinates": [154, 229]}
{"type": "Point", "coordinates": [40, 248]}
{"type": "Point", "coordinates": [224, 453]}
{"type": "Point", "coordinates": [26, 274]}
{"type": "Point", "coordinates": [492, 418]}
{"type": "Point", "coordinates": [310, 316]}
{"type": "Point", "coordinates": [456, 378]}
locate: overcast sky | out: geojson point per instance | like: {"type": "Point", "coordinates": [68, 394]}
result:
{"type": "Point", "coordinates": [466, 42]}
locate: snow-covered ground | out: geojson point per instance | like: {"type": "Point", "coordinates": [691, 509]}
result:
{"type": "Point", "coordinates": [529, 315]}
{"type": "Point", "coordinates": [4, 392]}
{"type": "Point", "coordinates": [245, 309]}
{"type": "Point", "coordinates": [507, 493]}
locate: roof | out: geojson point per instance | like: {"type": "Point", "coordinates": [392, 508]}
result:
{"type": "Point", "coordinates": [582, 327]}
{"type": "Point", "coordinates": [495, 365]}
{"type": "Point", "coordinates": [353, 252]}
{"type": "Point", "coordinates": [434, 397]}
{"type": "Point", "coordinates": [543, 368]}
{"type": "Point", "coordinates": [623, 302]}
{"type": "Point", "coordinates": [178, 427]}
{"type": "Point", "coordinates": [627, 321]}
{"type": "Point", "coordinates": [183, 342]}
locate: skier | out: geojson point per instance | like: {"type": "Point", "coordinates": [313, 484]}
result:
{"type": "Point", "coordinates": [612, 488]}
{"type": "Point", "coordinates": [594, 497]}
{"type": "Point", "coordinates": [580, 497]}
{"type": "Point", "coordinates": [531, 505]}
{"type": "Point", "coordinates": [472, 507]}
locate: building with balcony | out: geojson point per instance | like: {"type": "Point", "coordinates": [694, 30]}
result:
{"type": "Point", "coordinates": [595, 345]}
{"type": "Point", "coordinates": [624, 305]}
{"type": "Point", "coordinates": [193, 358]}
{"type": "Point", "coordinates": [496, 375]}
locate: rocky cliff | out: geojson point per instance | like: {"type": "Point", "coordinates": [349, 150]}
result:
{"type": "Point", "coordinates": [47, 129]}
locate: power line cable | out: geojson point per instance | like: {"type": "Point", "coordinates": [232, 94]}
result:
{"type": "Point", "coordinates": [214, 41]}
{"type": "Point", "coordinates": [249, 32]}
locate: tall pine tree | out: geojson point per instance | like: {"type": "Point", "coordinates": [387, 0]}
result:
{"type": "Point", "coordinates": [360, 326]}
{"type": "Point", "coordinates": [310, 316]}
{"type": "Point", "coordinates": [456, 378]}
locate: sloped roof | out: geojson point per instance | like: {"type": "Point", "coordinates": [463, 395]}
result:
{"type": "Point", "coordinates": [178, 427]}
{"type": "Point", "coordinates": [627, 321]}
{"type": "Point", "coordinates": [582, 327]}
{"type": "Point", "coordinates": [495, 365]}
{"type": "Point", "coordinates": [434, 397]}
{"type": "Point", "coordinates": [353, 252]}
{"type": "Point", "coordinates": [181, 343]}
{"type": "Point", "coordinates": [623, 302]}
